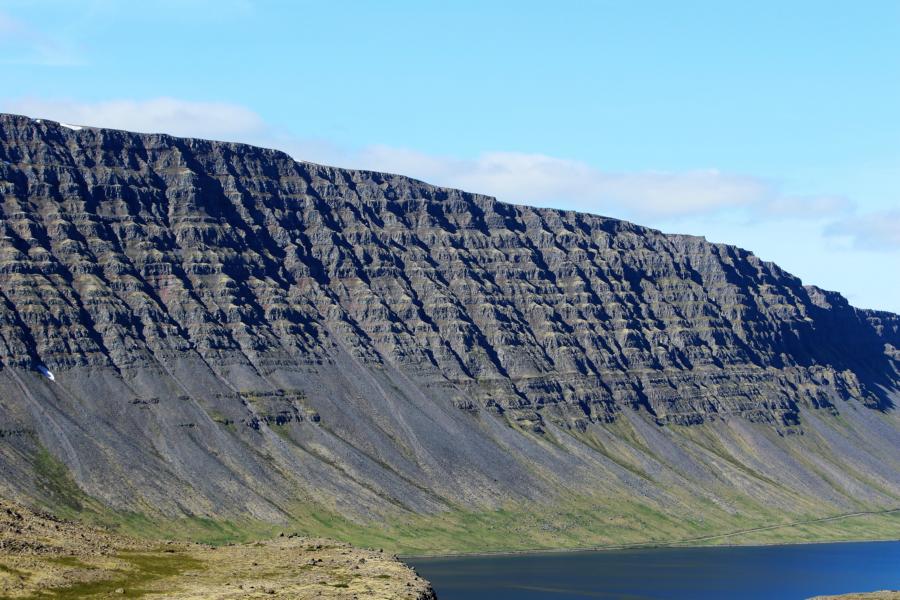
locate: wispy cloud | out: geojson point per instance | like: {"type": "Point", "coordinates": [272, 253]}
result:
{"type": "Point", "coordinates": [878, 231]}
{"type": "Point", "coordinates": [511, 176]}
{"type": "Point", "coordinates": [537, 178]}
{"type": "Point", "coordinates": [550, 181]}
{"type": "Point", "coordinates": [217, 120]}
{"type": "Point", "coordinates": [23, 44]}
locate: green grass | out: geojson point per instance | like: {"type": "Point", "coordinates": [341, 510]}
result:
{"type": "Point", "coordinates": [14, 572]}
{"type": "Point", "coordinates": [68, 561]}
{"type": "Point", "coordinates": [609, 520]}
{"type": "Point", "coordinates": [862, 527]}
{"type": "Point", "coordinates": [54, 478]}
{"type": "Point", "coordinates": [143, 569]}
{"type": "Point", "coordinates": [577, 522]}
{"type": "Point", "coordinates": [195, 529]}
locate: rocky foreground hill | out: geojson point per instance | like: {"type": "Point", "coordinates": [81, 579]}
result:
{"type": "Point", "coordinates": [215, 332]}
{"type": "Point", "coordinates": [44, 557]}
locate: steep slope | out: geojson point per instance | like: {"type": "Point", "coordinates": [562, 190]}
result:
{"type": "Point", "coordinates": [196, 328]}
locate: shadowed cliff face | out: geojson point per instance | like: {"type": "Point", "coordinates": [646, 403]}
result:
{"type": "Point", "coordinates": [227, 328]}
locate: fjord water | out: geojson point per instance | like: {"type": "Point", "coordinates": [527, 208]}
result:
{"type": "Point", "coordinates": [738, 573]}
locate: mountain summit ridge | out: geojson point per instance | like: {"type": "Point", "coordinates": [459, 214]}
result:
{"type": "Point", "coordinates": [230, 329]}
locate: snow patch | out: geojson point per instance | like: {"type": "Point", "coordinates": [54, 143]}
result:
{"type": "Point", "coordinates": [46, 372]}
{"type": "Point", "coordinates": [72, 127]}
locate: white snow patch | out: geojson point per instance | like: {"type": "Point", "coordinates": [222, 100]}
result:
{"type": "Point", "coordinates": [72, 127]}
{"type": "Point", "coordinates": [46, 372]}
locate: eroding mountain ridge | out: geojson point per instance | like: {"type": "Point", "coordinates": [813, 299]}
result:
{"type": "Point", "coordinates": [224, 291]}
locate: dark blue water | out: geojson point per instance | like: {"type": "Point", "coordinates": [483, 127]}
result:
{"type": "Point", "coordinates": [768, 572]}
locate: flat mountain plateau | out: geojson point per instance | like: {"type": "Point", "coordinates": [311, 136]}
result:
{"type": "Point", "coordinates": [216, 342]}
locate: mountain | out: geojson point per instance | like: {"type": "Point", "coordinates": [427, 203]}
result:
{"type": "Point", "coordinates": [206, 332]}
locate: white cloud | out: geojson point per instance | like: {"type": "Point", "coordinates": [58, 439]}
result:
{"type": "Point", "coordinates": [510, 176]}
{"type": "Point", "coordinates": [217, 120]}
{"type": "Point", "coordinates": [873, 231]}
{"type": "Point", "coordinates": [550, 181]}
{"type": "Point", "coordinates": [540, 179]}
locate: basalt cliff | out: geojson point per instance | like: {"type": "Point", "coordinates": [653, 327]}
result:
{"type": "Point", "coordinates": [198, 329]}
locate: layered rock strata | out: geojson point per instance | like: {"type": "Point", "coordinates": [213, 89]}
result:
{"type": "Point", "coordinates": [199, 327]}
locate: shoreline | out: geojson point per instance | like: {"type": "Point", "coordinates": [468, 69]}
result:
{"type": "Point", "coordinates": [659, 546]}
{"type": "Point", "coordinates": [684, 543]}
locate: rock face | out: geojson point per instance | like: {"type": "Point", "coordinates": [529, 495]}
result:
{"type": "Point", "coordinates": [210, 328]}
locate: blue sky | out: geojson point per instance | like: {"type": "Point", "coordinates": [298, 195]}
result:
{"type": "Point", "coordinates": [771, 125]}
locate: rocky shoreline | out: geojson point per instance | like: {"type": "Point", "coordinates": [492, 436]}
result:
{"type": "Point", "coordinates": [880, 595]}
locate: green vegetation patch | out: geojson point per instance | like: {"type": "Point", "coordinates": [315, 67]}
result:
{"type": "Point", "coordinates": [14, 572]}
{"type": "Point", "coordinates": [69, 561]}
{"type": "Point", "coordinates": [54, 479]}
{"type": "Point", "coordinates": [144, 569]}
{"type": "Point", "coordinates": [569, 523]}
